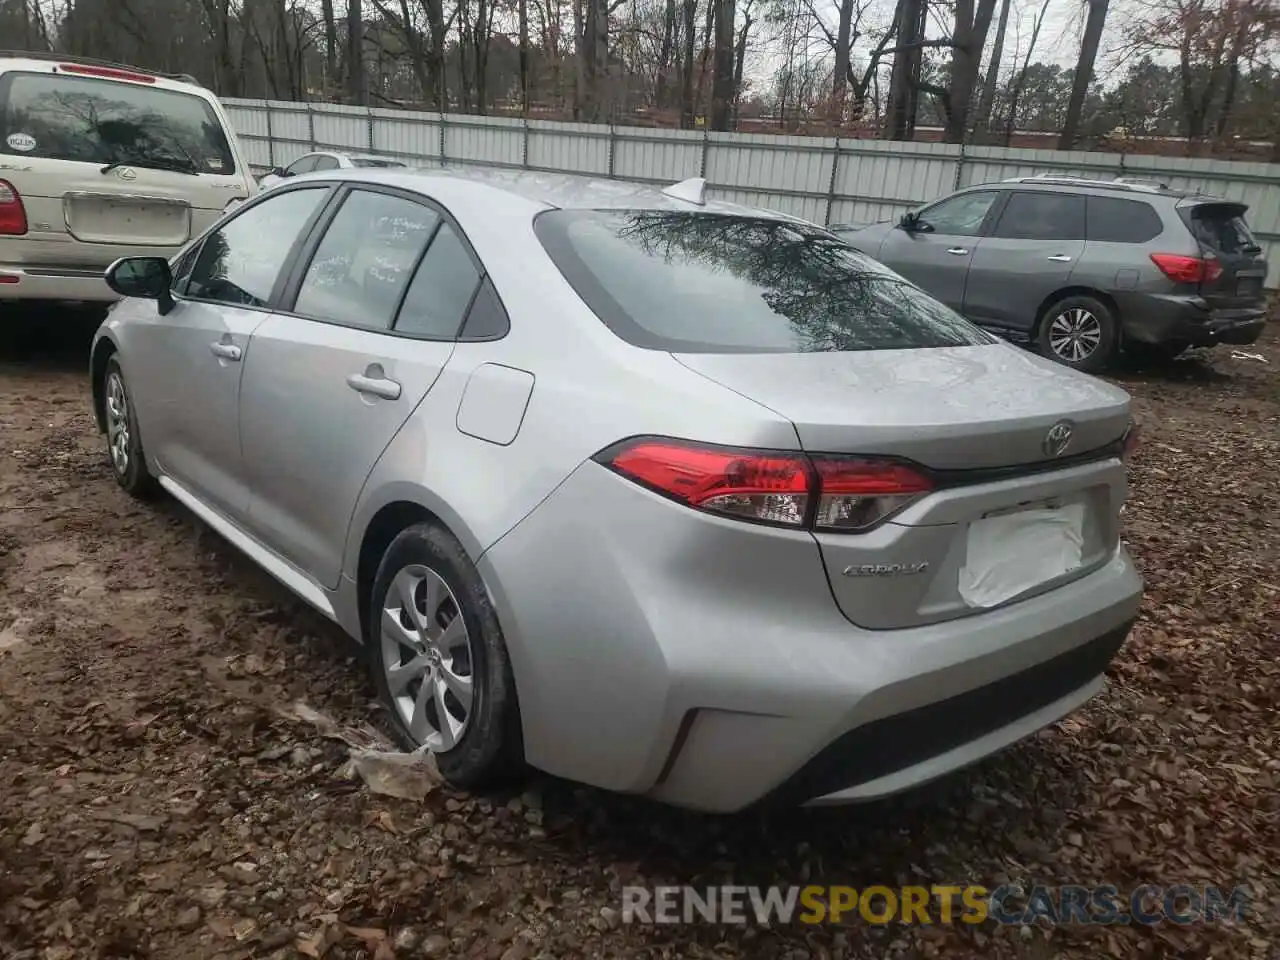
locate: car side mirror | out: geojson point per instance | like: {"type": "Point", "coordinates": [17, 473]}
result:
{"type": "Point", "coordinates": [146, 277]}
{"type": "Point", "coordinates": [912, 223]}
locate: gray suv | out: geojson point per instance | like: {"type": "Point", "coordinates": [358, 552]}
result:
{"type": "Point", "coordinates": [1083, 268]}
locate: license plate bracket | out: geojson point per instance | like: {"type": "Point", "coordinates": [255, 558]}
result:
{"type": "Point", "coordinates": [1013, 551]}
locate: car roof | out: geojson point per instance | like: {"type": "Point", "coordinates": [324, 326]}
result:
{"type": "Point", "coordinates": [458, 188]}
{"type": "Point", "coordinates": [48, 62]}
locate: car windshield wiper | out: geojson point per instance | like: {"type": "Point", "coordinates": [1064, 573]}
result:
{"type": "Point", "coordinates": [154, 163]}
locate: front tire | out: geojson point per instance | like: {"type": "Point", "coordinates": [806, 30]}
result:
{"type": "Point", "coordinates": [124, 441]}
{"type": "Point", "coordinates": [439, 661]}
{"type": "Point", "coordinates": [1079, 332]}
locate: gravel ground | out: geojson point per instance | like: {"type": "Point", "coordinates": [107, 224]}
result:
{"type": "Point", "coordinates": [156, 801]}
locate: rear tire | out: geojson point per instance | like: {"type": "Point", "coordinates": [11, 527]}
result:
{"type": "Point", "coordinates": [439, 661]}
{"type": "Point", "coordinates": [1079, 332]}
{"type": "Point", "coordinates": [124, 441]}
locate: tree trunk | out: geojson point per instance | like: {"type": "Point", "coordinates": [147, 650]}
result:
{"type": "Point", "coordinates": [906, 70]}
{"type": "Point", "coordinates": [1016, 93]}
{"type": "Point", "coordinates": [840, 74]}
{"type": "Point", "coordinates": [740, 55]}
{"type": "Point", "coordinates": [665, 53]}
{"type": "Point", "coordinates": [722, 81]}
{"type": "Point", "coordinates": [1084, 72]}
{"type": "Point", "coordinates": [969, 39]}
{"type": "Point", "coordinates": [523, 13]}
{"type": "Point", "coordinates": [982, 121]}
{"type": "Point", "coordinates": [355, 53]}
{"type": "Point", "coordinates": [686, 66]}
{"type": "Point", "coordinates": [330, 44]}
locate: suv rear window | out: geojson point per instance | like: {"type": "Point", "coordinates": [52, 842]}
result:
{"type": "Point", "coordinates": [712, 283]}
{"type": "Point", "coordinates": [62, 117]}
{"type": "Point", "coordinates": [1221, 228]}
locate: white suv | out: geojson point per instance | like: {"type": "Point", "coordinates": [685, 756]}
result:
{"type": "Point", "coordinates": [100, 161]}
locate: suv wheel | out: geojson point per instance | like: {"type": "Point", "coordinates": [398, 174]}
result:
{"type": "Point", "coordinates": [439, 661]}
{"type": "Point", "coordinates": [1078, 332]}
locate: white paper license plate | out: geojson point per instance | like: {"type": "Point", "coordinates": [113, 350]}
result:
{"type": "Point", "coordinates": [1011, 553]}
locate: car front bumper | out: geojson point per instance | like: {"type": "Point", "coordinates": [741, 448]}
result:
{"type": "Point", "coordinates": [703, 662]}
{"type": "Point", "coordinates": [1188, 319]}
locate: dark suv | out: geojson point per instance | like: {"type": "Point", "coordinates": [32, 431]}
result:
{"type": "Point", "coordinates": [1084, 268]}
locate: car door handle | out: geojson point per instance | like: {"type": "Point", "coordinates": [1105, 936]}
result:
{"type": "Point", "coordinates": [375, 386]}
{"type": "Point", "coordinates": [1060, 258]}
{"type": "Point", "coordinates": [957, 251]}
{"type": "Point", "coordinates": [226, 351]}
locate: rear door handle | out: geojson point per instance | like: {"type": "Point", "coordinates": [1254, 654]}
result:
{"type": "Point", "coordinates": [377, 386]}
{"type": "Point", "coordinates": [1060, 258]}
{"type": "Point", "coordinates": [227, 351]}
{"type": "Point", "coordinates": [957, 251]}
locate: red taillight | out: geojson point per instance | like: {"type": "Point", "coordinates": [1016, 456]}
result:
{"type": "Point", "coordinates": [1183, 269]}
{"type": "Point", "coordinates": [108, 73]}
{"type": "Point", "coordinates": [785, 489]}
{"type": "Point", "coordinates": [13, 215]}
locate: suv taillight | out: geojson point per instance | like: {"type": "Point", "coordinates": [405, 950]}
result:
{"type": "Point", "coordinates": [13, 215]}
{"type": "Point", "coordinates": [834, 493]}
{"type": "Point", "coordinates": [1184, 269]}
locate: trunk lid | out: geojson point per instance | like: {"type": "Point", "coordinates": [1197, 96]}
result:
{"type": "Point", "coordinates": [1011, 516]}
{"type": "Point", "coordinates": [1220, 229]}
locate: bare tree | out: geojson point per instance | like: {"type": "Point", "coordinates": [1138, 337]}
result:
{"type": "Point", "coordinates": [1084, 71]}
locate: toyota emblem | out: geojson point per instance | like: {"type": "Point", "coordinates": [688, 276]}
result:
{"type": "Point", "coordinates": [127, 173]}
{"type": "Point", "coordinates": [1057, 439]}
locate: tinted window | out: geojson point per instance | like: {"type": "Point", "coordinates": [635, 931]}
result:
{"type": "Point", "coordinates": [709, 282]}
{"type": "Point", "coordinates": [1221, 228]}
{"type": "Point", "coordinates": [369, 162]}
{"type": "Point", "coordinates": [441, 289]}
{"type": "Point", "coordinates": [1122, 221]}
{"type": "Point", "coordinates": [302, 165]}
{"type": "Point", "coordinates": [64, 117]}
{"type": "Point", "coordinates": [486, 320]}
{"type": "Point", "coordinates": [960, 216]}
{"type": "Point", "coordinates": [365, 260]}
{"type": "Point", "coordinates": [326, 163]}
{"type": "Point", "coordinates": [241, 262]}
{"type": "Point", "coordinates": [1042, 216]}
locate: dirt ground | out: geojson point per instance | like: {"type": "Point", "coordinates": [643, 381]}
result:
{"type": "Point", "coordinates": [157, 801]}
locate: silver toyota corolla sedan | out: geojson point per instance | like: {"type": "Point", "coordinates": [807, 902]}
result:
{"type": "Point", "coordinates": [664, 495]}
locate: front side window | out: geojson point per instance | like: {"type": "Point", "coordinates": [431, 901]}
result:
{"type": "Point", "coordinates": [240, 262]}
{"type": "Point", "coordinates": [960, 216]}
{"type": "Point", "coordinates": [714, 283]}
{"type": "Point", "coordinates": [363, 264]}
{"type": "Point", "coordinates": [62, 117]}
{"type": "Point", "coordinates": [1042, 216]}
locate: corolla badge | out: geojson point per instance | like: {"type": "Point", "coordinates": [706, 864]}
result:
{"type": "Point", "coordinates": [886, 569]}
{"type": "Point", "coordinates": [126, 173]}
{"type": "Point", "coordinates": [1057, 439]}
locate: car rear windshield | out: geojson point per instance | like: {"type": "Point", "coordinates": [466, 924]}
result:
{"type": "Point", "coordinates": [1221, 228]}
{"type": "Point", "coordinates": [703, 282]}
{"type": "Point", "coordinates": [62, 117]}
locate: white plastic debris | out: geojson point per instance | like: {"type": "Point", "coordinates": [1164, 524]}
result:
{"type": "Point", "coordinates": [1242, 355]}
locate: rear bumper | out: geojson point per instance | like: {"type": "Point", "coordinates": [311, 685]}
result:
{"type": "Point", "coordinates": [703, 662]}
{"type": "Point", "coordinates": [27, 282]}
{"type": "Point", "coordinates": [1154, 318]}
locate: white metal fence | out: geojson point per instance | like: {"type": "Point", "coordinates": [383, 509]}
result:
{"type": "Point", "coordinates": [822, 179]}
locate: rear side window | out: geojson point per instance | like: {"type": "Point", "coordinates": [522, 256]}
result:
{"type": "Point", "coordinates": [1221, 228]}
{"type": "Point", "coordinates": [363, 264]}
{"type": "Point", "coordinates": [702, 282]}
{"type": "Point", "coordinates": [1042, 216]}
{"type": "Point", "coordinates": [441, 290]}
{"type": "Point", "coordinates": [61, 117]}
{"type": "Point", "coordinates": [1112, 220]}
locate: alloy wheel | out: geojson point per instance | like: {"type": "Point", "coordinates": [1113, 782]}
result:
{"type": "Point", "coordinates": [427, 658]}
{"type": "Point", "coordinates": [1075, 334]}
{"type": "Point", "coordinates": [118, 423]}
